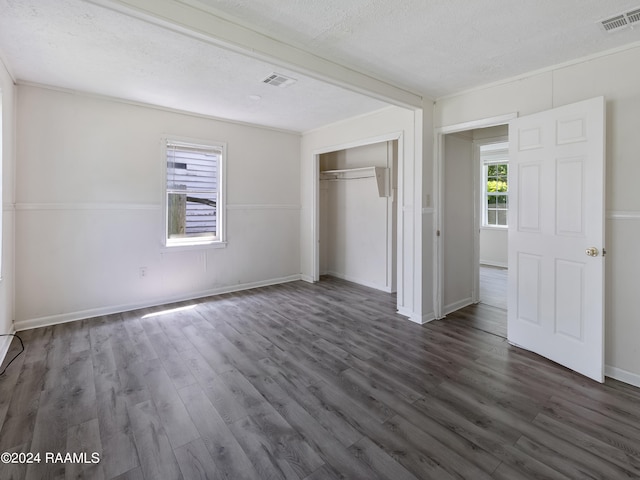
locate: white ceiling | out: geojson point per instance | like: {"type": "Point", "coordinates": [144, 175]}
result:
{"type": "Point", "coordinates": [429, 47]}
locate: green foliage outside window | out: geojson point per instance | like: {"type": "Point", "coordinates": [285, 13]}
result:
{"type": "Point", "coordinates": [497, 194]}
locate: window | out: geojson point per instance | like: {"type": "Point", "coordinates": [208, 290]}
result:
{"type": "Point", "coordinates": [495, 184]}
{"type": "Point", "coordinates": [194, 193]}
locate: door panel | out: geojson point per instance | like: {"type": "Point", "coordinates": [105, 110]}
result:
{"type": "Point", "coordinates": [556, 188]}
{"type": "Point", "coordinates": [570, 197]}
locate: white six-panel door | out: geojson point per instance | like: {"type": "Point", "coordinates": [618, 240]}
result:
{"type": "Point", "coordinates": [556, 235]}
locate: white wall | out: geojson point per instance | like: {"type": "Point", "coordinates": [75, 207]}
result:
{"type": "Point", "coordinates": [7, 163]}
{"type": "Point", "coordinates": [458, 222]}
{"type": "Point", "coordinates": [616, 76]}
{"type": "Point", "coordinates": [413, 300]}
{"type": "Point", "coordinates": [356, 223]}
{"type": "Point", "coordinates": [494, 246]}
{"type": "Point", "coordinates": [89, 208]}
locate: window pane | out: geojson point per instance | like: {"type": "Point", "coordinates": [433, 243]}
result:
{"type": "Point", "coordinates": [496, 183]}
{"type": "Point", "coordinates": [191, 215]}
{"type": "Point", "coordinates": [191, 169]}
{"type": "Point", "coordinates": [176, 214]}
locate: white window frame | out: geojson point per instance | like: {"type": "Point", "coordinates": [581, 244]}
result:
{"type": "Point", "coordinates": [219, 240]}
{"type": "Point", "coordinates": [498, 157]}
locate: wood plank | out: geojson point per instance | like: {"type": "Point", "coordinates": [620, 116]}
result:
{"type": "Point", "coordinates": [81, 395]}
{"type": "Point", "coordinates": [326, 416]}
{"type": "Point", "coordinates": [169, 407]}
{"type": "Point", "coordinates": [10, 378]}
{"type": "Point", "coordinates": [138, 336]}
{"type": "Point", "coordinates": [172, 361]}
{"type": "Point", "coordinates": [133, 474]}
{"type": "Point", "coordinates": [274, 447]}
{"type": "Point", "coordinates": [230, 459]}
{"type": "Point", "coordinates": [85, 438]}
{"type": "Point", "coordinates": [119, 450]}
{"type": "Point", "coordinates": [444, 457]}
{"type": "Point", "coordinates": [324, 444]}
{"type": "Point", "coordinates": [19, 422]}
{"type": "Point", "coordinates": [629, 461]}
{"type": "Point", "coordinates": [78, 334]}
{"type": "Point", "coordinates": [368, 452]}
{"type": "Point", "coordinates": [569, 460]}
{"type": "Point", "coordinates": [156, 454]}
{"type": "Point", "coordinates": [14, 471]}
{"type": "Point", "coordinates": [196, 462]}
{"type": "Point", "coordinates": [50, 432]}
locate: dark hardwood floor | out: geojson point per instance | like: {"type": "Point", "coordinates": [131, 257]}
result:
{"type": "Point", "coordinates": [302, 381]}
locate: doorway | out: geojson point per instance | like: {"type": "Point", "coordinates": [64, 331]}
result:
{"type": "Point", "coordinates": [491, 157]}
{"type": "Point", "coordinates": [472, 164]}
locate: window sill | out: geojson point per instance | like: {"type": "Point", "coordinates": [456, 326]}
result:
{"type": "Point", "coordinates": [494, 227]}
{"type": "Point", "coordinates": [182, 247]}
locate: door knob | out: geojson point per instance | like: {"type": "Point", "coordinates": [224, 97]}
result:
{"type": "Point", "coordinates": [592, 251]}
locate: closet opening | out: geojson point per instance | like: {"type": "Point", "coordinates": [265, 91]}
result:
{"type": "Point", "coordinates": [357, 214]}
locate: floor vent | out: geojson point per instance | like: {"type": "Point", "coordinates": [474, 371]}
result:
{"type": "Point", "coordinates": [621, 21]}
{"type": "Point", "coordinates": [279, 80]}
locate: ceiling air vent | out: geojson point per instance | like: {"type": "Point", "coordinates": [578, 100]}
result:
{"type": "Point", "coordinates": [634, 16]}
{"type": "Point", "coordinates": [621, 21]}
{"type": "Point", "coordinates": [279, 80]}
{"type": "Point", "coordinates": [614, 23]}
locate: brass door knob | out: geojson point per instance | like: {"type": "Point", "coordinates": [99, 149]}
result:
{"type": "Point", "coordinates": [592, 251]}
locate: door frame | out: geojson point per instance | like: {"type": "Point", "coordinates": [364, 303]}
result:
{"type": "Point", "coordinates": [438, 188]}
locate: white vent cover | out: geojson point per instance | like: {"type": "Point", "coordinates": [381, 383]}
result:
{"type": "Point", "coordinates": [623, 20]}
{"type": "Point", "coordinates": [279, 80]}
{"type": "Point", "coordinates": [634, 16]}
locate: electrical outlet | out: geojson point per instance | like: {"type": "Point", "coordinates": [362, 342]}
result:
{"type": "Point", "coordinates": [143, 272]}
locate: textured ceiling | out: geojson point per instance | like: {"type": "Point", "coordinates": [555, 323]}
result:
{"type": "Point", "coordinates": [438, 47]}
{"type": "Point", "coordinates": [430, 47]}
{"type": "Point", "coordinates": [79, 46]}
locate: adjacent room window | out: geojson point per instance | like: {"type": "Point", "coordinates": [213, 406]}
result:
{"type": "Point", "coordinates": [194, 193]}
{"type": "Point", "coordinates": [495, 183]}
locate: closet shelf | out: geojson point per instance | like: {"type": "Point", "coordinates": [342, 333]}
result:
{"type": "Point", "coordinates": [381, 174]}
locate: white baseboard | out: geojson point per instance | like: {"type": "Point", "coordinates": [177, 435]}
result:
{"type": "Point", "coordinates": [428, 317]}
{"type": "Point", "coordinates": [359, 281]}
{"type": "Point", "coordinates": [416, 318]}
{"type": "Point", "coordinates": [96, 312]}
{"type": "Point", "coordinates": [452, 307]}
{"type": "Point", "coordinates": [5, 342]}
{"type": "Point", "coordinates": [307, 278]}
{"type": "Point", "coordinates": [494, 264]}
{"type": "Point", "coordinates": [622, 375]}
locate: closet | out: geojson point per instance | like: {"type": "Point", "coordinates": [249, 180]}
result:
{"type": "Point", "coordinates": [358, 214]}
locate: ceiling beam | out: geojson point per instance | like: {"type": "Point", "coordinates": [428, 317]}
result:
{"type": "Point", "coordinates": [209, 27]}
